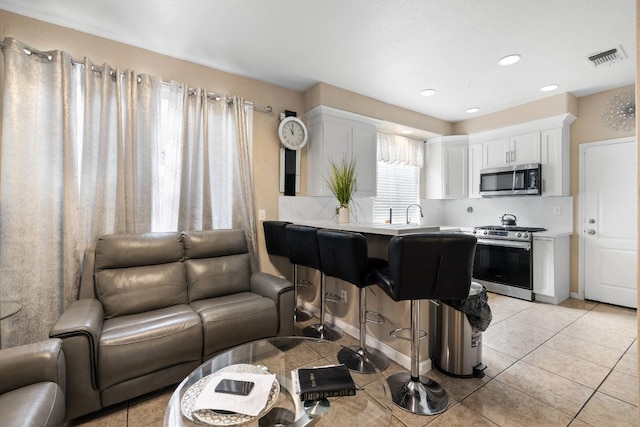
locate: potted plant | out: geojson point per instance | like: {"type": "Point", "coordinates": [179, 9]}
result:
{"type": "Point", "coordinates": [342, 183]}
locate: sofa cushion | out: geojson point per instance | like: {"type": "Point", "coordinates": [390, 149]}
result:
{"type": "Point", "coordinates": [213, 243]}
{"type": "Point", "coordinates": [216, 262]}
{"type": "Point", "coordinates": [235, 319]}
{"type": "Point", "coordinates": [138, 344]}
{"type": "Point", "coordinates": [39, 404]}
{"type": "Point", "coordinates": [135, 273]}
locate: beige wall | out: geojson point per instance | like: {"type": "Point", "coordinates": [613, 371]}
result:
{"type": "Point", "coordinates": [324, 94]}
{"type": "Point", "coordinates": [540, 109]}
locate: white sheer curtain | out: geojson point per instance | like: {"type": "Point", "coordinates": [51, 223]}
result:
{"type": "Point", "coordinates": [207, 179]}
{"type": "Point", "coordinates": [38, 197]}
{"type": "Point", "coordinates": [395, 149]}
{"type": "Point", "coordinates": [83, 153]}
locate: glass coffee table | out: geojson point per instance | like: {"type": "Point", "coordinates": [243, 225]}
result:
{"type": "Point", "coordinates": [371, 406]}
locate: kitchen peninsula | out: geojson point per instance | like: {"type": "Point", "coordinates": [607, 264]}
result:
{"type": "Point", "coordinates": [345, 313]}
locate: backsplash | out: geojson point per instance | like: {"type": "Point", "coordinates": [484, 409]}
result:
{"type": "Point", "coordinates": [553, 213]}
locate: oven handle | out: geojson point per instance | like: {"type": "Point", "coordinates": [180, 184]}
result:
{"type": "Point", "coordinates": [505, 243]}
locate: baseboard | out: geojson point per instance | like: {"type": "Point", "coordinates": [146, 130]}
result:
{"type": "Point", "coordinates": [577, 295]}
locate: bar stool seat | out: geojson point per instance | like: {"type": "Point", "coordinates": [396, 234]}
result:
{"type": "Point", "coordinates": [302, 244]}
{"type": "Point", "coordinates": [344, 255]}
{"type": "Point", "coordinates": [425, 266]}
{"type": "Point", "coordinates": [275, 237]}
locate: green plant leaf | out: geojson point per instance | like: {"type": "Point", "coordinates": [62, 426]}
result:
{"type": "Point", "coordinates": [342, 180]}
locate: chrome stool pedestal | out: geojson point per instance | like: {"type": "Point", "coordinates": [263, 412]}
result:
{"type": "Point", "coordinates": [411, 391]}
{"type": "Point", "coordinates": [344, 255]}
{"type": "Point", "coordinates": [424, 266]}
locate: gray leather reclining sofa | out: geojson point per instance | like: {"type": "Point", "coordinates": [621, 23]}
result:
{"type": "Point", "coordinates": [154, 306]}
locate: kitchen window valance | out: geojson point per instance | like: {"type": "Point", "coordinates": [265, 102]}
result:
{"type": "Point", "coordinates": [395, 149]}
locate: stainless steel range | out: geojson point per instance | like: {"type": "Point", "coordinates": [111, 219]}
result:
{"type": "Point", "coordinates": [504, 259]}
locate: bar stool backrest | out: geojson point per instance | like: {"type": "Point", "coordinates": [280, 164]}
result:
{"type": "Point", "coordinates": [344, 255]}
{"type": "Point", "coordinates": [275, 238]}
{"type": "Point", "coordinates": [302, 244]}
{"type": "Point", "coordinates": [431, 266]}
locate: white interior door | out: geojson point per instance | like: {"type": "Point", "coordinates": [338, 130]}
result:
{"type": "Point", "coordinates": [608, 215]}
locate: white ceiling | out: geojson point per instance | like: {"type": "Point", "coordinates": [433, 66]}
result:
{"type": "Point", "coordinates": [385, 49]}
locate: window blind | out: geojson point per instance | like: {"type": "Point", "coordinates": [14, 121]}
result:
{"type": "Point", "coordinates": [397, 188]}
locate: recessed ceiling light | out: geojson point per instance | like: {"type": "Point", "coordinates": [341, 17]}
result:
{"type": "Point", "coordinates": [473, 110]}
{"type": "Point", "coordinates": [549, 88]}
{"type": "Point", "coordinates": [427, 92]}
{"type": "Point", "coordinates": [407, 131]}
{"type": "Point", "coordinates": [509, 59]}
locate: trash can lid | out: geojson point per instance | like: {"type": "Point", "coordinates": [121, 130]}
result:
{"type": "Point", "coordinates": [475, 289]}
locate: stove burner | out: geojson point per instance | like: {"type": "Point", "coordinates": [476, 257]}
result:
{"type": "Point", "coordinates": [509, 228]}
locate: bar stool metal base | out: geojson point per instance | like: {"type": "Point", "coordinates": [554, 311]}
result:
{"type": "Point", "coordinates": [301, 315]}
{"type": "Point", "coordinates": [419, 396]}
{"type": "Point", "coordinates": [323, 332]}
{"type": "Point", "coordinates": [364, 361]}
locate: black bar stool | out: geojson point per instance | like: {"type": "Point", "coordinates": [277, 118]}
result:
{"type": "Point", "coordinates": [344, 255]}
{"type": "Point", "coordinates": [275, 237]}
{"type": "Point", "coordinates": [302, 243]}
{"type": "Point", "coordinates": [425, 266]}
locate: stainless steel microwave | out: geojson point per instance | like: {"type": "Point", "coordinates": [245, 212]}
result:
{"type": "Point", "coordinates": [520, 180]}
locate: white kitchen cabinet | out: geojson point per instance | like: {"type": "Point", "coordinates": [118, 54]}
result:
{"type": "Point", "coordinates": [447, 167]}
{"type": "Point", "coordinates": [475, 165]}
{"type": "Point", "coordinates": [555, 162]}
{"type": "Point", "coordinates": [512, 150]}
{"type": "Point", "coordinates": [551, 269]}
{"type": "Point", "coordinates": [335, 135]}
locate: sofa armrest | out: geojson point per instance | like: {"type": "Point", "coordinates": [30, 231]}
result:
{"type": "Point", "coordinates": [42, 361]}
{"type": "Point", "coordinates": [83, 318]}
{"type": "Point", "coordinates": [281, 292]}
{"type": "Point", "coordinates": [80, 327]}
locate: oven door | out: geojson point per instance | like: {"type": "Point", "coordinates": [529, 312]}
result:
{"type": "Point", "coordinates": [504, 261]}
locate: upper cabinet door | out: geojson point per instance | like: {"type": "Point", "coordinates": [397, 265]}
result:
{"type": "Point", "coordinates": [364, 151]}
{"type": "Point", "coordinates": [515, 150]}
{"type": "Point", "coordinates": [525, 149]}
{"type": "Point", "coordinates": [456, 172]}
{"type": "Point", "coordinates": [496, 153]}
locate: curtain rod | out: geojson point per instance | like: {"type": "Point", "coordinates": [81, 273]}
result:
{"type": "Point", "coordinates": [211, 95]}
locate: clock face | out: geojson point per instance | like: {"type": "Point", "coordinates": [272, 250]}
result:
{"type": "Point", "coordinates": [292, 133]}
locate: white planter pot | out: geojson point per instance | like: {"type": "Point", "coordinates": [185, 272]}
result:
{"type": "Point", "coordinates": [343, 215]}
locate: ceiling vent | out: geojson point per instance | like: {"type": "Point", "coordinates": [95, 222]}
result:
{"type": "Point", "coordinates": [607, 57]}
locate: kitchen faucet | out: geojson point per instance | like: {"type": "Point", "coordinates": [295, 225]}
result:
{"type": "Point", "coordinates": [419, 207]}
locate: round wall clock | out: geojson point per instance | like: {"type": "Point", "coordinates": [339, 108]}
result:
{"type": "Point", "coordinates": [293, 133]}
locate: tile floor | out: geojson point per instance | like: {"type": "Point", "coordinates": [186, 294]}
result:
{"type": "Point", "coordinates": [569, 365]}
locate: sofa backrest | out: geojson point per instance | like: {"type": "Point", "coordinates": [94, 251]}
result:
{"type": "Point", "coordinates": [216, 262]}
{"type": "Point", "coordinates": [134, 273]}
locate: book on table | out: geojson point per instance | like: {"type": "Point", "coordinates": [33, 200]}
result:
{"type": "Point", "coordinates": [323, 382]}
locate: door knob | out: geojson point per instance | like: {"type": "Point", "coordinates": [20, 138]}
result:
{"type": "Point", "coordinates": [591, 231]}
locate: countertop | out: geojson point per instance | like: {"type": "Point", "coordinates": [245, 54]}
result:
{"type": "Point", "coordinates": [397, 229]}
{"type": "Point", "coordinates": [370, 228]}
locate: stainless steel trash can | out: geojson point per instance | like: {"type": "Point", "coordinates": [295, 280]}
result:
{"type": "Point", "coordinates": [459, 351]}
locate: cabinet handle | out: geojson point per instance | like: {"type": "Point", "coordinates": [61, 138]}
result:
{"type": "Point", "coordinates": [506, 157]}
{"type": "Point", "coordinates": [513, 156]}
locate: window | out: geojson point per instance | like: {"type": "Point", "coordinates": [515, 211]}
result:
{"type": "Point", "coordinates": [398, 177]}
{"type": "Point", "coordinates": [397, 188]}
